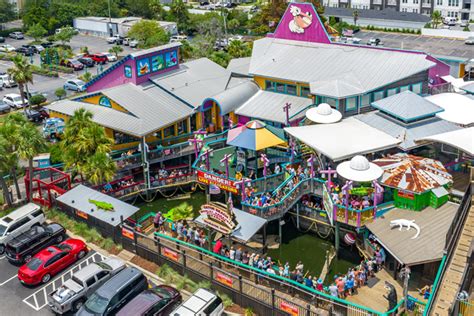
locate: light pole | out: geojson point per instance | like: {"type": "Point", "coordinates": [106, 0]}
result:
{"type": "Point", "coordinates": [242, 187]}
{"type": "Point", "coordinates": [378, 189]}
{"type": "Point", "coordinates": [266, 163]}
{"type": "Point", "coordinates": [196, 143]}
{"type": "Point", "coordinates": [286, 109]}
{"type": "Point", "coordinates": [205, 155]}
{"type": "Point", "coordinates": [311, 165]}
{"type": "Point", "coordinates": [345, 189]}
{"type": "Point", "coordinates": [225, 162]}
{"type": "Point", "coordinates": [329, 172]}
{"type": "Point", "coordinates": [405, 276]}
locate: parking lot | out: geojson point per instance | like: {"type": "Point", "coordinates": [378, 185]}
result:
{"type": "Point", "coordinates": [21, 300]}
{"type": "Point", "coordinates": [49, 85]}
{"type": "Point", "coordinates": [442, 47]}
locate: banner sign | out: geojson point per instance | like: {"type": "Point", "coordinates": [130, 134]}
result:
{"type": "Point", "coordinates": [82, 214]}
{"type": "Point", "coordinates": [290, 309]}
{"type": "Point", "coordinates": [328, 203]}
{"type": "Point", "coordinates": [224, 279]}
{"type": "Point", "coordinates": [406, 194]}
{"type": "Point", "coordinates": [222, 183]}
{"type": "Point", "coordinates": [168, 253]}
{"type": "Point", "coordinates": [127, 233]}
{"type": "Point", "coordinates": [218, 217]}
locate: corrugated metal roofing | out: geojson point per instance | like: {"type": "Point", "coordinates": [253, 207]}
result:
{"type": "Point", "coordinates": [407, 106]}
{"type": "Point", "coordinates": [412, 173]}
{"type": "Point", "coordinates": [196, 80]}
{"type": "Point", "coordinates": [268, 106]}
{"type": "Point", "coordinates": [234, 97]}
{"type": "Point", "coordinates": [78, 198]}
{"type": "Point", "coordinates": [469, 88]}
{"type": "Point", "coordinates": [462, 139]}
{"type": "Point", "coordinates": [239, 65]}
{"type": "Point", "coordinates": [406, 133]}
{"type": "Point", "coordinates": [150, 109]}
{"type": "Point", "coordinates": [351, 69]}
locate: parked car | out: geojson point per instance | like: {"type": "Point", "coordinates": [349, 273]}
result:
{"type": "Point", "coordinates": [110, 56]}
{"type": "Point", "coordinates": [7, 81]}
{"type": "Point", "coordinates": [27, 51]}
{"type": "Point", "coordinates": [19, 221]}
{"type": "Point", "coordinates": [97, 58]}
{"type": "Point", "coordinates": [126, 41]}
{"type": "Point", "coordinates": [31, 93]}
{"type": "Point", "coordinates": [159, 301]}
{"type": "Point", "coordinates": [178, 38]}
{"type": "Point", "coordinates": [23, 247]}
{"type": "Point", "coordinates": [115, 293]}
{"type": "Point", "coordinates": [2, 39]}
{"type": "Point", "coordinates": [52, 260]}
{"type": "Point", "coordinates": [14, 100]}
{"type": "Point", "coordinates": [75, 85]}
{"type": "Point", "coordinates": [469, 40]}
{"type": "Point", "coordinates": [116, 39]}
{"type": "Point", "coordinates": [4, 108]}
{"type": "Point", "coordinates": [86, 61]}
{"type": "Point", "coordinates": [73, 293]}
{"type": "Point", "coordinates": [203, 302]}
{"type": "Point", "coordinates": [32, 115]}
{"type": "Point", "coordinates": [72, 63]}
{"type": "Point", "coordinates": [38, 48]}
{"type": "Point", "coordinates": [133, 43]}
{"type": "Point", "coordinates": [46, 44]}
{"type": "Point", "coordinates": [450, 21]}
{"type": "Point", "coordinates": [16, 35]}
{"type": "Point", "coordinates": [374, 42]}
{"type": "Point", "coordinates": [7, 48]}
{"type": "Point", "coordinates": [464, 23]}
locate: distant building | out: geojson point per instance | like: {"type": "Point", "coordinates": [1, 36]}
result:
{"type": "Point", "coordinates": [18, 4]}
{"type": "Point", "coordinates": [460, 9]}
{"type": "Point", "coordinates": [102, 26]}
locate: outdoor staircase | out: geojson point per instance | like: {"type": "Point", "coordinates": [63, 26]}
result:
{"type": "Point", "coordinates": [453, 277]}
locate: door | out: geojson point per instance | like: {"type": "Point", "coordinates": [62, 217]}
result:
{"type": "Point", "coordinates": [53, 265]}
{"type": "Point", "coordinates": [16, 229]}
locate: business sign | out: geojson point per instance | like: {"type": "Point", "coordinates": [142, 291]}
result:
{"type": "Point", "coordinates": [328, 203]}
{"type": "Point", "coordinates": [82, 214]}
{"type": "Point", "coordinates": [127, 233]}
{"type": "Point", "coordinates": [218, 217]}
{"type": "Point", "coordinates": [168, 253]}
{"type": "Point", "coordinates": [290, 309]}
{"type": "Point", "coordinates": [224, 279]}
{"type": "Point", "coordinates": [104, 101]}
{"type": "Point", "coordinates": [222, 183]}
{"type": "Point", "coordinates": [406, 194]}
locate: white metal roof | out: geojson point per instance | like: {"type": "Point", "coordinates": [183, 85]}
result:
{"type": "Point", "coordinates": [232, 98]}
{"type": "Point", "coordinates": [239, 65]}
{"type": "Point", "coordinates": [268, 106]}
{"type": "Point", "coordinates": [195, 81]}
{"type": "Point", "coordinates": [462, 139]}
{"type": "Point", "coordinates": [344, 139]}
{"type": "Point", "coordinates": [458, 108]}
{"type": "Point", "coordinates": [334, 70]}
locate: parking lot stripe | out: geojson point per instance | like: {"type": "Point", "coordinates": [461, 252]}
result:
{"type": "Point", "coordinates": [5, 282]}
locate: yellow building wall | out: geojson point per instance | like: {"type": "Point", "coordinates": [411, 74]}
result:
{"type": "Point", "coordinates": [260, 81]}
{"type": "Point", "coordinates": [95, 100]}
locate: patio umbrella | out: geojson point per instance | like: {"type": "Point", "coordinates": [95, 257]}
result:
{"type": "Point", "coordinates": [255, 135]}
{"type": "Point", "coordinates": [359, 169]}
{"type": "Point", "coordinates": [413, 173]}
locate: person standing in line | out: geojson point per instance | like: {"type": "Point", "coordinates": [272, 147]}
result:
{"type": "Point", "coordinates": [232, 253]}
{"type": "Point", "coordinates": [333, 290]}
{"type": "Point", "coordinates": [238, 255]}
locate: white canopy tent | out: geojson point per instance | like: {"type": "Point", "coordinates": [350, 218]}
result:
{"type": "Point", "coordinates": [458, 108]}
{"type": "Point", "coordinates": [463, 139]}
{"type": "Point", "coordinates": [344, 139]}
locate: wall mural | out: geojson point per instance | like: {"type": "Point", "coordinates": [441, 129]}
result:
{"type": "Point", "coordinates": [171, 59]}
{"type": "Point", "coordinates": [127, 71]}
{"type": "Point", "coordinates": [156, 63]}
{"type": "Point", "coordinates": [104, 101]}
{"type": "Point", "coordinates": [301, 20]}
{"type": "Point", "coordinates": [143, 67]}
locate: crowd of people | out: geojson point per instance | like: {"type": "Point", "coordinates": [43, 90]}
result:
{"type": "Point", "coordinates": [124, 185]}
{"type": "Point", "coordinates": [181, 230]}
{"type": "Point", "coordinates": [355, 201]}
{"type": "Point", "coordinates": [163, 176]}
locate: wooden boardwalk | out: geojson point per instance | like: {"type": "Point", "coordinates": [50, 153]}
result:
{"type": "Point", "coordinates": [452, 279]}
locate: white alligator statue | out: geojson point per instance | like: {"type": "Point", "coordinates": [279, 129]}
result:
{"type": "Point", "coordinates": [408, 223]}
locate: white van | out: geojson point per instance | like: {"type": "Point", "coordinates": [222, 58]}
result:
{"type": "Point", "coordinates": [19, 221]}
{"type": "Point", "coordinates": [202, 303]}
{"type": "Point", "coordinates": [451, 21]}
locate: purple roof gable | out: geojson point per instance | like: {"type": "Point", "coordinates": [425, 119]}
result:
{"type": "Point", "coordinates": [301, 22]}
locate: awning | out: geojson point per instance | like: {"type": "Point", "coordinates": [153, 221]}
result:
{"type": "Point", "coordinates": [463, 139]}
{"type": "Point", "coordinates": [458, 108]}
{"type": "Point", "coordinates": [247, 225]}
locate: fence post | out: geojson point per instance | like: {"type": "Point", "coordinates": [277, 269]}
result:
{"type": "Point", "coordinates": [158, 244]}
{"type": "Point", "coordinates": [183, 253]}
{"type": "Point", "coordinates": [273, 301]}
{"type": "Point", "coordinates": [308, 310]}
{"type": "Point", "coordinates": [135, 240]}
{"type": "Point", "coordinates": [240, 289]}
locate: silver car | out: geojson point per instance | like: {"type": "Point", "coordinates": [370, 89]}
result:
{"type": "Point", "coordinates": [469, 41]}
{"type": "Point", "coordinates": [75, 85]}
{"type": "Point", "coordinates": [74, 292]}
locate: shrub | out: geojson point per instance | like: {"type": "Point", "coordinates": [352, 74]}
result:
{"type": "Point", "coordinates": [60, 93]}
{"type": "Point", "coordinates": [43, 71]}
{"type": "Point", "coordinates": [37, 99]}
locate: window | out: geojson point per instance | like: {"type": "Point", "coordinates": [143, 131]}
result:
{"type": "Point", "coordinates": [404, 88]}
{"type": "Point", "coordinates": [182, 127]}
{"type": "Point", "coordinates": [102, 274]}
{"type": "Point", "coordinates": [279, 87]}
{"type": "Point", "coordinates": [269, 86]}
{"type": "Point", "coordinates": [18, 224]}
{"type": "Point", "coordinates": [439, 2]}
{"type": "Point", "coordinates": [404, 1]}
{"type": "Point", "coordinates": [37, 213]}
{"type": "Point", "coordinates": [291, 89]}
{"type": "Point", "coordinates": [90, 281]}
{"type": "Point", "coordinates": [378, 95]}
{"type": "Point", "coordinates": [351, 104]}
{"type": "Point", "coordinates": [417, 88]}
{"type": "Point", "coordinates": [331, 101]}
{"type": "Point", "coordinates": [305, 92]}
{"type": "Point", "coordinates": [365, 100]}
{"type": "Point", "coordinates": [169, 131]}
{"type": "Point", "coordinates": [392, 91]}
{"type": "Point", "coordinates": [120, 138]}
{"type": "Point", "coordinates": [416, 1]}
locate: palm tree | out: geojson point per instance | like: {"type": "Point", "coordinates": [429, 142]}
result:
{"type": "Point", "coordinates": [99, 168]}
{"type": "Point", "coordinates": [5, 169]}
{"type": "Point", "coordinates": [22, 73]}
{"type": "Point", "coordinates": [238, 49]}
{"type": "Point", "coordinates": [436, 18]}
{"type": "Point", "coordinates": [30, 144]}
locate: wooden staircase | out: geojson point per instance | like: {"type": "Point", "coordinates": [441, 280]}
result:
{"type": "Point", "coordinates": [453, 277]}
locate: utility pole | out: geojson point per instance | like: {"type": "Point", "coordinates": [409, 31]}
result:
{"type": "Point", "coordinates": [110, 20]}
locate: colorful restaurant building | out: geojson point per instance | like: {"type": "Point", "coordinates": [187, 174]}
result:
{"type": "Point", "coordinates": [151, 96]}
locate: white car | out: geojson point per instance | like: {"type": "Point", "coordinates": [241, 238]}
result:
{"type": "Point", "coordinates": [7, 48]}
{"type": "Point", "coordinates": [133, 43]}
{"type": "Point", "coordinates": [7, 81]}
{"type": "Point", "coordinates": [116, 39]}
{"type": "Point", "coordinates": [14, 100]}
{"type": "Point", "coordinates": [38, 48]}
{"type": "Point", "coordinates": [469, 40]}
{"type": "Point", "coordinates": [110, 56]}
{"type": "Point", "coordinates": [75, 85]}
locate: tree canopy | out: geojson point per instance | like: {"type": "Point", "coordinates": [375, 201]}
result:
{"type": "Point", "coordinates": [148, 34]}
{"type": "Point", "coordinates": [7, 11]}
{"type": "Point", "coordinates": [37, 31]}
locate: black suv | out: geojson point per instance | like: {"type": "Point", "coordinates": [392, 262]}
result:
{"type": "Point", "coordinates": [20, 249]}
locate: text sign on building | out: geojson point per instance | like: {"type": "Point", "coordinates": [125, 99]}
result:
{"type": "Point", "coordinates": [290, 309]}
{"type": "Point", "coordinates": [406, 194]}
{"type": "Point", "coordinates": [218, 217]}
{"type": "Point", "coordinates": [222, 183]}
{"type": "Point", "coordinates": [224, 279]}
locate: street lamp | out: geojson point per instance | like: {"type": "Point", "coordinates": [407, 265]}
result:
{"type": "Point", "coordinates": [242, 186]}
{"type": "Point", "coordinates": [266, 163]}
{"type": "Point", "coordinates": [225, 162]}
{"type": "Point", "coordinates": [205, 156]}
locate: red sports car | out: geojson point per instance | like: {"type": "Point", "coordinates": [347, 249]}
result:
{"type": "Point", "coordinates": [48, 262]}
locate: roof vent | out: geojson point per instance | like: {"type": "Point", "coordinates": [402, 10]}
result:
{"type": "Point", "coordinates": [359, 163]}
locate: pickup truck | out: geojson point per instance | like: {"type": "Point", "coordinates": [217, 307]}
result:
{"type": "Point", "coordinates": [116, 39]}
{"type": "Point", "coordinates": [74, 292]}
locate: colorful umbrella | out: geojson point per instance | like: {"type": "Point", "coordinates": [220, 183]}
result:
{"type": "Point", "coordinates": [413, 173]}
{"type": "Point", "coordinates": [255, 135]}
